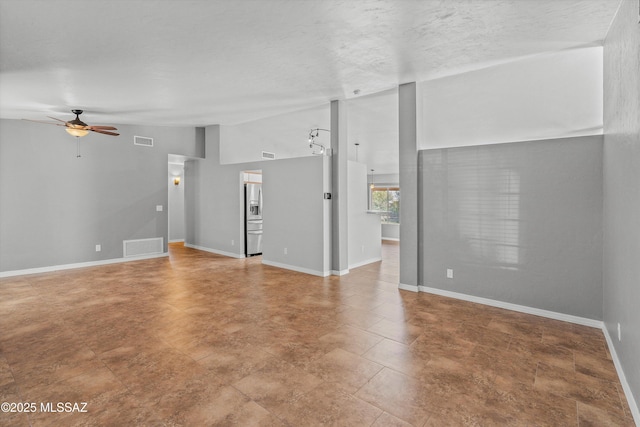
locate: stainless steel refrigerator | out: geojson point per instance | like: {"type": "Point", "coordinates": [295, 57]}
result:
{"type": "Point", "coordinates": [253, 219]}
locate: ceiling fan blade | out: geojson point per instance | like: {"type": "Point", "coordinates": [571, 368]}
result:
{"type": "Point", "coordinates": [104, 132]}
{"type": "Point", "coordinates": [57, 119]}
{"type": "Point", "coordinates": [102, 127]}
{"type": "Point", "coordinates": [46, 123]}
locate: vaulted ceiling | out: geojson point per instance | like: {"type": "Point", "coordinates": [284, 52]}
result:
{"type": "Point", "coordinates": [197, 63]}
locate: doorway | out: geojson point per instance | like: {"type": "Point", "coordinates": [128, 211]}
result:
{"type": "Point", "coordinates": [176, 232]}
{"type": "Point", "coordinates": [253, 202]}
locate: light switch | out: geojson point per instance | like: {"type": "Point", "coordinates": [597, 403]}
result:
{"type": "Point", "coordinates": [159, 208]}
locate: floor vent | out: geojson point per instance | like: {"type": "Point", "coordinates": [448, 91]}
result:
{"type": "Point", "coordinates": [268, 155]}
{"type": "Point", "coordinates": [143, 140]}
{"type": "Point", "coordinates": [142, 247]}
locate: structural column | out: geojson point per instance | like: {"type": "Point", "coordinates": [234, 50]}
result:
{"type": "Point", "coordinates": [339, 232]}
{"type": "Point", "coordinates": [409, 218]}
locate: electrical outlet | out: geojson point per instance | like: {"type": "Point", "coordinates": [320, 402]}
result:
{"type": "Point", "coordinates": [619, 333]}
{"type": "Point", "coordinates": [449, 273]}
{"type": "Point", "coordinates": [285, 251]}
{"type": "Point", "coordinates": [158, 208]}
{"type": "Point", "coordinates": [98, 248]}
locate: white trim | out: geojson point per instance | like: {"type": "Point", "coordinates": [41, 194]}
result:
{"type": "Point", "coordinates": [404, 287]}
{"type": "Point", "coordinates": [214, 251]}
{"type": "Point", "coordinates": [515, 307]}
{"type": "Point", "coordinates": [623, 380]}
{"type": "Point", "coordinates": [176, 240]}
{"type": "Point", "coordinates": [365, 262]}
{"type": "Point", "coordinates": [296, 268]}
{"type": "Point", "coordinates": [339, 272]}
{"type": "Point", "coordinates": [393, 239]}
{"type": "Point", "coordinates": [52, 268]}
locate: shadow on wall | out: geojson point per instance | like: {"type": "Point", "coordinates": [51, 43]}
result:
{"type": "Point", "coordinates": [519, 223]}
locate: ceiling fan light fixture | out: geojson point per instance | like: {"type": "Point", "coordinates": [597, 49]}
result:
{"type": "Point", "coordinates": [76, 132]}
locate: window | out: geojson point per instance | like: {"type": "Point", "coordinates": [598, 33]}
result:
{"type": "Point", "coordinates": [387, 200]}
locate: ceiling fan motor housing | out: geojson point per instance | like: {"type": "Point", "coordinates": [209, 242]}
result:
{"type": "Point", "coordinates": [76, 122]}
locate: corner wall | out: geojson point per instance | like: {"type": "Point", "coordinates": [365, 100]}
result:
{"type": "Point", "coordinates": [622, 191]}
{"type": "Point", "coordinates": [55, 208]}
{"type": "Point", "coordinates": [293, 214]}
{"type": "Point", "coordinates": [213, 202]}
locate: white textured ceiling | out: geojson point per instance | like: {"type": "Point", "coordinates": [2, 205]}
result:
{"type": "Point", "coordinates": [196, 63]}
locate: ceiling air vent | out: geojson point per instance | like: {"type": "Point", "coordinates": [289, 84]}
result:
{"type": "Point", "coordinates": [268, 155]}
{"type": "Point", "coordinates": [143, 140]}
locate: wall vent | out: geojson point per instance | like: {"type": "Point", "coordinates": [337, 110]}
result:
{"type": "Point", "coordinates": [268, 155]}
{"type": "Point", "coordinates": [142, 247]}
{"type": "Point", "coordinates": [143, 140]}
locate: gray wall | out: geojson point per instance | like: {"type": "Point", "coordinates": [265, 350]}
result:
{"type": "Point", "coordinates": [410, 202]}
{"type": "Point", "coordinates": [519, 223]}
{"type": "Point", "coordinates": [622, 190]}
{"type": "Point", "coordinates": [55, 208]}
{"type": "Point", "coordinates": [294, 214]}
{"type": "Point", "coordinates": [213, 200]}
{"type": "Point", "coordinates": [339, 188]}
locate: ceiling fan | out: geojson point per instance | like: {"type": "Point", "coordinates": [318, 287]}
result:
{"type": "Point", "coordinates": [77, 127]}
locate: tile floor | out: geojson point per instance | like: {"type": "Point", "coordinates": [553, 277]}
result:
{"type": "Point", "coordinates": [198, 339]}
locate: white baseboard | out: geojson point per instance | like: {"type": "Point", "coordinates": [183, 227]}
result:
{"type": "Point", "coordinates": [176, 241]}
{"type": "Point", "coordinates": [623, 379]}
{"type": "Point", "coordinates": [365, 262]}
{"type": "Point", "coordinates": [214, 251]}
{"type": "Point", "coordinates": [296, 268]}
{"type": "Point", "coordinates": [52, 268]}
{"type": "Point", "coordinates": [339, 272]}
{"type": "Point", "coordinates": [515, 307]}
{"type": "Point", "coordinates": [412, 288]}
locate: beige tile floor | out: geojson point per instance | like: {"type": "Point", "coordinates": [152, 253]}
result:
{"type": "Point", "coordinates": [199, 339]}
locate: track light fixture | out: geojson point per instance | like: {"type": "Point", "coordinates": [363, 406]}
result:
{"type": "Point", "coordinates": [313, 134]}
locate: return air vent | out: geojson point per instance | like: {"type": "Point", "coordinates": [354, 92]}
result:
{"type": "Point", "coordinates": [268, 155]}
{"type": "Point", "coordinates": [143, 140]}
{"type": "Point", "coordinates": [142, 247]}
